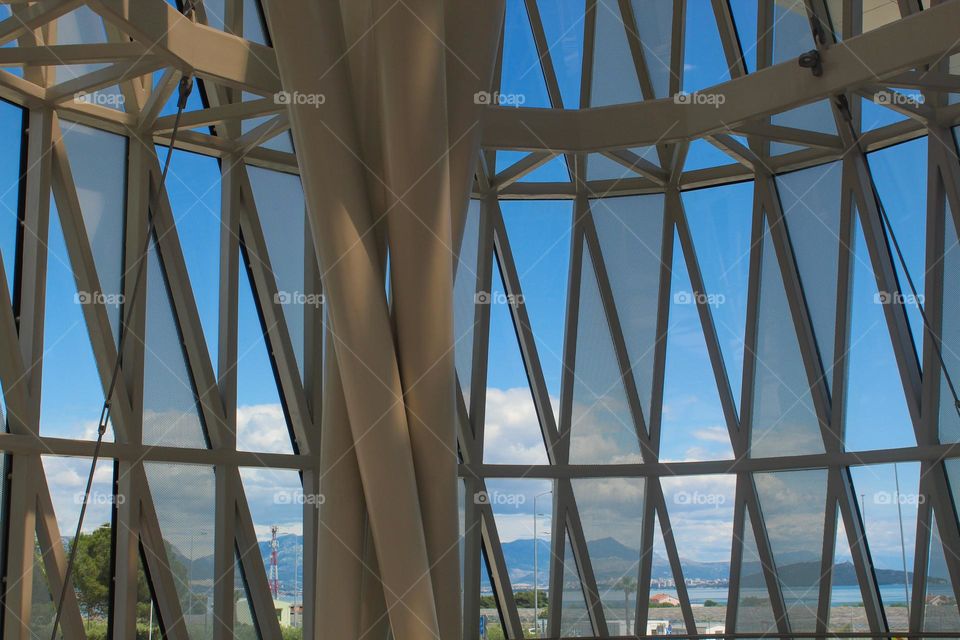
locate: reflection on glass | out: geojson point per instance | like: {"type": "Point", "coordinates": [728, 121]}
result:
{"type": "Point", "coordinates": [186, 521]}
{"type": "Point", "coordinates": [611, 513]}
{"type": "Point", "coordinates": [629, 230]}
{"type": "Point", "coordinates": [784, 420]}
{"type": "Point", "coordinates": [811, 207]}
{"type": "Point", "coordinates": [793, 504]}
{"type": "Point", "coordinates": [614, 74]}
{"type": "Point", "coordinates": [602, 430]}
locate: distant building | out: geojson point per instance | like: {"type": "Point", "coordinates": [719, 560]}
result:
{"type": "Point", "coordinates": [664, 599]}
{"type": "Point", "coordinates": [288, 614]}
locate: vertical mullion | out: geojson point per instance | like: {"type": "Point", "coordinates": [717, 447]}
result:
{"type": "Point", "coordinates": [226, 492]}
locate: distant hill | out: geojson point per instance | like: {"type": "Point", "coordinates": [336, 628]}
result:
{"type": "Point", "coordinates": [610, 558]}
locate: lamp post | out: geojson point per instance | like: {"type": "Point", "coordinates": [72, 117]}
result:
{"type": "Point", "coordinates": [536, 567]}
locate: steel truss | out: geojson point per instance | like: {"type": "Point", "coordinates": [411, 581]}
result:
{"type": "Point", "coordinates": [368, 549]}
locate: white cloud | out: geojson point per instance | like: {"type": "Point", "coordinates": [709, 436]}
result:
{"type": "Point", "coordinates": [511, 428]}
{"type": "Point", "coordinates": [262, 427]}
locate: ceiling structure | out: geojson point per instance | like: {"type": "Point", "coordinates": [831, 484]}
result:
{"type": "Point", "coordinates": [702, 297]}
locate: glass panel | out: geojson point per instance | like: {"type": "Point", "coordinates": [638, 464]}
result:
{"type": "Point", "coordinates": [874, 116]}
{"type": "Point", "coordinates": [664, 615]}
{"type": "Point", "coordinates": [940, 602]}
{"type": "Point", "coordinates": [889, 496]}
{"type": "Point", "coordinates": [655, 27]}
{"type": "Point", "coordinates": [811, 208]}
{"type": "Point", "coordinates": [282, 211]}
{"type": "Point", "coordinates": [521, 78]}
{"type": "Point", "coordinates": [900, 177]}
{"type": "Point", "coordinates": [67, 478]}
{"type": "Point", "coordinates": [554, 170]}
{"type": "Point", "coordinates": [950, 332]}
{"type": "Point", "coordinates": [784, 420]}
{"type": "Point", "coordinates": [745, 19]}
{"type": "Point", "coordinates": [611, 513]}
{"type": "Point", "coordinates": [193, 187]}
{"type": "Point", "coordinates": [42, 608]}
{"type": "Point", "coordinates": [703, 155]}
{"type": "Point", "coordinates": [846, 599]}
{"type": "Point", "coordinates": [701, 518]}
{"type": "Point", "coordinates": [215, 12]}
{"type": "Point", "coordinates": [574, 618]}
{"type": "Point", "coordinates": [11, 130]}
{"type": "Point", "coordinates": [171, 414]}
{"type": "Point", "coordinates": [602, 429]}
{"type": "Point", "coordinates": [523, 511]}
{"type": "Point", "coordinates": [600, 167]}
{"type": "Point", "coordinates": [876, 410]}
{"type": "Point", "coordinates": [614, 73]}
{"type": "Point", "coordinates": [563, 27]}
{"type": "Point", "coordinates": [754, 611]}
{"type": "Point", "coordinates": [148, 620]}
{"type": "Point", "coordinates": [793, 504]}
{"type": "Point", "coordinates": [512, 429]}
{"type": "Point", "coordinates": [464, 299]}
{"type": "Point", "coordinates": [101, 189]}
{"type": "Point", "coordinates": [84, 26]}
{"type": "Point", "coordinates": [71, 395]}
{"type": "Point", "coordinates": [244, 620]}
{"type": "Point", "coordinates": [630, 232]}
{"type": "Point", "coordinates": [816, 116]}
{"type": "Point", "coordinates": [791, 30]}
{"type": "Point", "coordinates": [719, 219]}
{"type": "Point", "coordinates": [277, 501]}
{"type": "Point", "coordinates": [704, 62]}
{"type": "Point", "coordinates": [187, 525]}
{"type": "Point", "coordinates": [693, 426]}
{"type": "Point", "coordinates": [539, 233]}
{"type": "Point", "coordinates": [261, 421]}
{"type": "Point", "coordinates": [253, 28]}
{"type": "Point", "coordinates": [877, 13]}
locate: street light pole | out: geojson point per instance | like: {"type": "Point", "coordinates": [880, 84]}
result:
{"type": "Point", "coordinates": [536, 566]}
